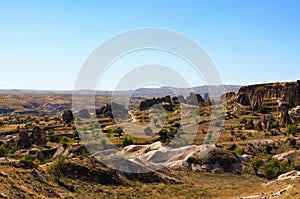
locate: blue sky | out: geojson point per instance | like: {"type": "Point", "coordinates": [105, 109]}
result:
{"type": "Point", "coordinates": [44, 43]}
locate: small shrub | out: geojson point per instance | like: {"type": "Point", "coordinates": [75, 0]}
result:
{"type": "Point", "coordinates": [292, 142]}
{"type": "Point", "coordinates": [29, 157]}
{"type": "Point", "coordinates": [243, 137]}
{"type": "Point", "coordinates": [274, 125]}
{"type": "Point", "coordinates": [163, 135]}
{"type": "Point", "coordinates": [3, 151]}
{"type": "Point", "coordinates": [40, 157]}
{"type": "Point", "coordinates": [127, 141]}
{"type": "Point", "coordinates": [85, 153]}
{"type": "Point", "coordinates": [292, 130]}
{"type": "Point", "coordinates": [170, 121]}
{"type": "Point", "coordinates": [240, 151]}
{"type": "Point", "coordinates": [176, 124]}
{"type": "Point", "coordinates": [295, 166]}
{"type": "Point", "coordinates": [281, 150]}
{"type": "Point", "coordinates": [118, 132]}
{"type": "Point", "coordinates": [267, 148]}
{"type": "Point", "coordinates": [147, 150]}
{"type": "Point", "coordinates": [75, 134]}
{"type": "Point", "coordinates": [64, 140]}
{"type": "Point", "coordinates": [53, 137]}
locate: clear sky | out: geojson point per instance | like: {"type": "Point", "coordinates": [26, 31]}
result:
{"type": "Point", "coordinates": [44, 43]}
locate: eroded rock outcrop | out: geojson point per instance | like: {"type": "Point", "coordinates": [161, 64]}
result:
{"type": "Point", "coordinates": [67, 116]}
{"type": "Point", "coordinates": [243, 99]}
{"type": "Point", "coordinates": [249, 125]}
{"type": "Point", "coordinates": [256, 94]}
{"type": "Point", "coordinates": [194, 99]}
{"type": "Point", "coordinates": [113, 110]}
{"type": "Point", "coordinates": [23, 141]}
{"type": "Point", "coordinates": [295, 112]}
{"type": "Point", "coordinates": [285, 118]}
{"type": "Point", "coordinates": [84, 113]}
{"type": "Point", "coordinates": [165, 101]}
{"type": "Point", "coordinates": [257, 100]}
{"type": "Point", "coordinates": [39, 136]}
{"type": "Point", "coordinates": [217, 161]}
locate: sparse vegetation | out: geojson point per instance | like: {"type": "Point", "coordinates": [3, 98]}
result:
{"type": "Point", "coordinates": [273, 168]}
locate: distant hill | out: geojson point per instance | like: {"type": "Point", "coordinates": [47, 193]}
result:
{"type": "Point", "coordinates": [172, 91]}
{"type": "Point", "coordinates": [143, 92]}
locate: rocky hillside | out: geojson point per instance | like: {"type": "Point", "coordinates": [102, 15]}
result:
{"type": "Point", "coordinates": [284, 94]}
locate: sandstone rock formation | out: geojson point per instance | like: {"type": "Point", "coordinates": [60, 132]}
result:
{"type": "Point", "coordinates": [84, 113]}
{"type": "Point", "coordinates": [295, 112]}
{"type": "Point", "coordinates": [257, 100]}
{"type": "Point", "coordinates": [249, 125]}
{"type": "Point", "coordinates": [175, 100]}
{"type": "Point", "coordinates": [113, 110]}
{"type": "Point", "coordinates": [23, 141]}
{"type": "Point", "coordinates": [67, 116]}
{"type": "Point", "coordinates": [265, 122]}
{"type": "Point", "coordinates": [181, 99]}
{"type": "Point", "coordinates": [227, 96]}
{"type": "Point", "coordinates": [285, 118]}
{"type": "Point", "coordinates": [194, 99]}
{"type": "Point", "coordinates": [217, 161]}
{"type": "Point", "coordinates": [38, 136]}
{"type": "Point", "coordinates": [288, 92]}
{"type": "Point", "coordinates": [243, 99]}
{"type": "Point", "coordinates": [259, 125]}
{"type": "Point", "coordinates": [206, 97]}
{"type": "Point", "coordinates": [165, 101]}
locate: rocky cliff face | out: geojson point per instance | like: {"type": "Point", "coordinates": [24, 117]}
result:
{"type": "Point", "coordinates": [288, 92]}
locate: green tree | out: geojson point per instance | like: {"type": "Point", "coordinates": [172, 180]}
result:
{"type": "Point", "coordinates": [56, 168]}
{"type": "Point", "coordinates": [273, 168]}
{"type": "Point", "coordinates": [255, 164]}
